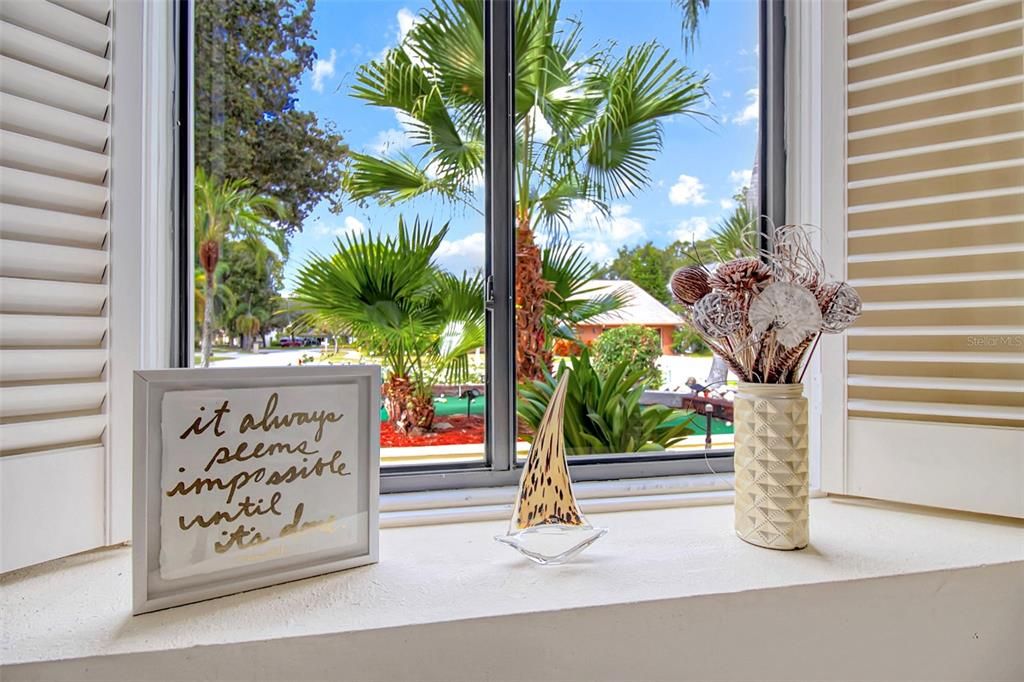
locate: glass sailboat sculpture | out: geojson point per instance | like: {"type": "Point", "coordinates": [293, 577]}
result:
{"type": "Point", "coordinates": [547, 525]}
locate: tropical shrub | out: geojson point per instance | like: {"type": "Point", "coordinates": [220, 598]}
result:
{"type": "Point", "coordinates": [686, 340]}
{"type": "Point", "coordinates": [638, 347]}
{"type": "Point", "coordinates": [603, 414]}
{"type": "Point", "coordinates": [400, 306]}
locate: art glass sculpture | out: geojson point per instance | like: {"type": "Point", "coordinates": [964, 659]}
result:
{"type": "Point", "coordinates": [547, 525]}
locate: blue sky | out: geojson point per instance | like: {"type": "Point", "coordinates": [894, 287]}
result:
{"type": "Point", "coordinates": [699, 169]}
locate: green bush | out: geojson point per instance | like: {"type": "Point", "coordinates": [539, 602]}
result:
{"type": "Point", "coordinates": [603, 414]}
{"type": "Point", "coordinates": [639, 347]}
{"type": "Point", "coordinates": [686, 340]}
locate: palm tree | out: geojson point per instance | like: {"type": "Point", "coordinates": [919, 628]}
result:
{"type": "Point", "coordinates": [229, 209]}
{"type": "Point", "coordinates": [571, 298]}
{"type": "Point", "coordinates": [692, 10]}
{"type": "Point", "coordinates": [588, 127]}
{"type": "Point", "coordinates": [736, 236]}
{"type": "Point", "coordinates": [388, 292]}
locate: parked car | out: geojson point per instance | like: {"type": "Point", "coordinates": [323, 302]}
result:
{"type": "Point", "coordinates": [292, 342]}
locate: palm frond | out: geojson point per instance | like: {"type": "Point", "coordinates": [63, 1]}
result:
{"type": "Point", "coordinates": [644, 87]}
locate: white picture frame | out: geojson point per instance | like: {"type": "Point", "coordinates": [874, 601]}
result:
{"type": "Point", "coordinates": [360, 385]}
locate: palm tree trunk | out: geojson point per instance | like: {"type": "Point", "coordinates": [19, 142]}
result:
{"type": "Point", "coordinates": [208, 318]}
{"type": "Point", "coordinates": [531, 356]}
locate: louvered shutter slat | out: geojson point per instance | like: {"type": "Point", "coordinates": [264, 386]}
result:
{"type": "Point", "coordinates": [18, 295]}
{"type": "Point", "coordinates": [22, 401]}
{"type": "Point", "coordinates": [53, 21]}
{"type": "Point", "coordinates": [36, 435]}
{"type": "Point", "coordinates": [37, 84]}
{"type": "Point", "coordinates": [49, 262]}
{"type": "Point", "coordinates": [51, 330]}
{"type": "Point", "coordinates": [22, 223]}
{"type": "Point", "coordinates": [45, 122]}
{"type": "Point", "coordinates": [55, 79]}
{"type": "Point", "coordinates": [38, 190]}
{"type": "Point", "coordinates": [53, 55]}
{"type": "Point", "coordinates": [97, 10]}
{"type": "Point", "coordinates": [51, 158]}
{"type": "Point", "coordinates": [51, 365]}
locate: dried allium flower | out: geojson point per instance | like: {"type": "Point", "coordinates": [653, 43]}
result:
{"type": "Point", "coordinates": [690, 284]}
{"type": "Point", "coordinates": [717, 315]}
{"type": "Point", "coordinates": [788, 309]}
{"type": "Point", "coordinates": [741, 276]}
{"type": "Point", "coordinates": [840, 306]}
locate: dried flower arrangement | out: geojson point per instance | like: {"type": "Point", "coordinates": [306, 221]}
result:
{"type": "Point", "coordinates": [764, 316]}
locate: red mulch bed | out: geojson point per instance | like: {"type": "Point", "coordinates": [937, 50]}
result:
{"type": "Point", "coordinates": [464, 430]}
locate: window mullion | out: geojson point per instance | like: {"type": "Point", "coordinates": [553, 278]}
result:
{"type": "Point", "coordinates": [499, 135]}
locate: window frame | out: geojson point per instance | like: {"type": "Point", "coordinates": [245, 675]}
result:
{"type": "Point", "coordinates": [499, 466]}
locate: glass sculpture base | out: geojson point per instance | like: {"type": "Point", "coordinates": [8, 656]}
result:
{"type": "Point", "coordinates": [552, 543]}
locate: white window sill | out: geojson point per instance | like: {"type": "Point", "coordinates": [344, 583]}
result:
{"type": "Point", "coordinates": [667, 593]}
{"type": "Point", "coordinates": [488, 504]}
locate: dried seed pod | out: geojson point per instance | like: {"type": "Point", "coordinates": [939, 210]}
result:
{"type": "Point", "coordinates": [789, 310]}
{"type": "Point", "coordinates": [840, 306]}
{"type": "Point", "coordinates": [741, 276]}
{"type": "Point", "coordinates": [717, 315]}
{"type": "Point", "coordinates": [690, 284]}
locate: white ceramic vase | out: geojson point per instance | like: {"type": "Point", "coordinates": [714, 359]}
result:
{"type": "Point", "coordinates": [770, 424]}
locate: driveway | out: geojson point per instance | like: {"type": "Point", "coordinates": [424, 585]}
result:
{"type": "Point", "coordinates": [271, 357]}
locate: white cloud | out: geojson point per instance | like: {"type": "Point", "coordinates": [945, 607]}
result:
{"type": "Point", "coordinates": [727, 204]}
{"type": "Point", "coordinates": [601, 235]}
{"type": "Point", "coordinates": [688, 190]}
{"type": "Point", "coordinates": [541, 128]}
{"type": "Point", "coordinates": [349, 225]}
{"type": "Point", "coordinates": [726, 94]}
{"type": "Point", "coordinates": [740, 178]}
{"type": "Point", "coordinates": [751, 111]}
{"type": "Point", "coordinates": [466, 254]}
{"type": "Point", "coordinates": [390, 140]}
{"type": "Point", "coordinates": [406, 20]}
{"type": "Point", "coordinates": [323, 70]}
{"type": "Point", "coordinates": [693, 229]}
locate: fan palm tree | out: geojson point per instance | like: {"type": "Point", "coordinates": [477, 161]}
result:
{"type": "Point", "coordinates": [736, 236]}
{"type": "Point", "coordinates": [588, 127]}
{"type": "Point", "coordinates": [388, 292]}
{"type": "Point", "coordinates": [229, 209]}
{"type": "Point", "coordinates": [572, 298]}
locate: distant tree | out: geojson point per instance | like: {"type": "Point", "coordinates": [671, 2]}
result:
{"type": "Point", "coordinates": [229, 210]}
{"type": "Point", "coordinates": [650, 266]}
{"type": "Point", "coordinates": [254, 275]}
{"type": "Point", "coordinates": [250, 56]}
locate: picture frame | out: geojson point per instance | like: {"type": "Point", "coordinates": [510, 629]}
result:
{"type": "Point", "coordinates": [264, 468]}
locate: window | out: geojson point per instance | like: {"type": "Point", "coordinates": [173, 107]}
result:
{"type": "Point", "coordinates": [472, 194]}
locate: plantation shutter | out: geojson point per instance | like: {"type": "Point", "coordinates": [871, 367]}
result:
{"type": "Point", "coordinates": [935, 245]}
{"type": "Point", "coordinates": [54, 165]}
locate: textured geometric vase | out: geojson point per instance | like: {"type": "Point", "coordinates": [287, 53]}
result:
{"type": "Point", "coordinates": [547, 525]}
{"type": "Point", "coordinates": [770, 424]}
